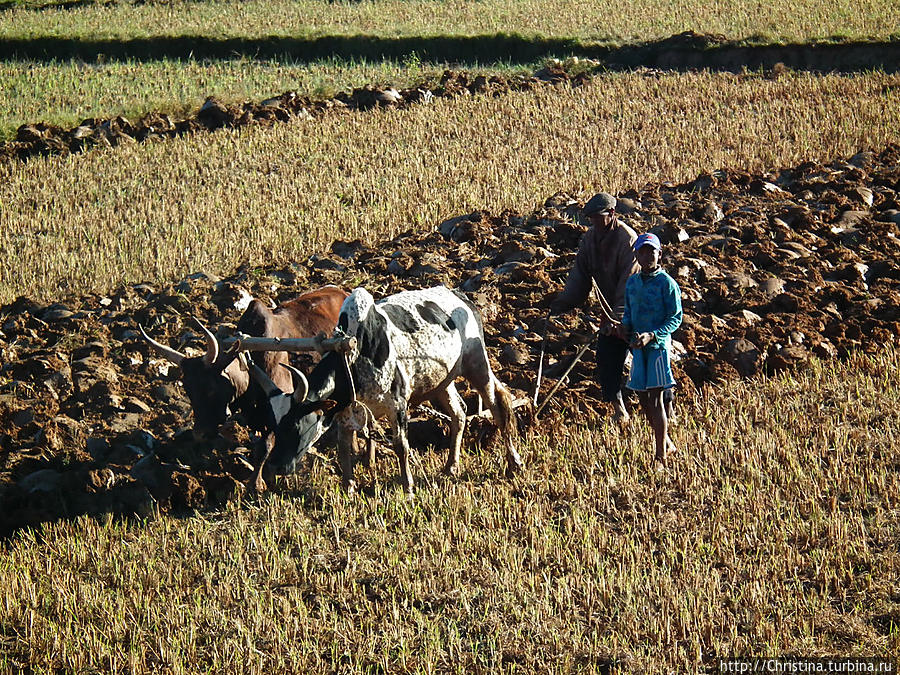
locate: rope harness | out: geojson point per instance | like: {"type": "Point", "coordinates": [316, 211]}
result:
{"type": "Point", "coordinates": [356, 415]}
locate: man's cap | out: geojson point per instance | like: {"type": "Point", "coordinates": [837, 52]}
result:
{"type": "Point", "coordinates": [602, 201]}
{"type": "Point", "coordinates": [647, 239]}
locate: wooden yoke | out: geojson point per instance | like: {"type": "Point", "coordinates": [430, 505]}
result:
{"type": "Point", "coordinates": [343, 344]}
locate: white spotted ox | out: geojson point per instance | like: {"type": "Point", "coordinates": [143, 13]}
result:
{"type": "Point", "coordinates": [410, 348]}
{"type": "Point", "coordinates": [215, 381]}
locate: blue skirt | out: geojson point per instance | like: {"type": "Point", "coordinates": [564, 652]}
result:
{"type": "Point", "coordinates": [650, 369]}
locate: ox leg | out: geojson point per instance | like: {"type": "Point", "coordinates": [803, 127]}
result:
{"type": "Point", "coordinates": [346, 443]}
{"type": "Point", "coordinates": [370, 447]}
{"type": "Point", "coordinates": [451, 403]}
{"type": "Point", "coordinates": [263, 476]}
{"type": "Point", "coordinates": [401, 447]}
{"type": "Point", "coordinates": [368, 458]}
{"type": "Point", "coordinates": [499, 400]}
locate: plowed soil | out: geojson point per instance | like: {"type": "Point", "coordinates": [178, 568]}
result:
{"type": "Point", "coordinates": [773, 269]}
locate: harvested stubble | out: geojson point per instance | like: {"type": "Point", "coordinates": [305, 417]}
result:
{"type": "Point", "coordinates": [65, 93]}
{"type": "Point", "coordinates": [160, 211]}
{"type": "Point", "coordinates": [628, 21]}
{"type": "Point", "coordinates": [776, 531]}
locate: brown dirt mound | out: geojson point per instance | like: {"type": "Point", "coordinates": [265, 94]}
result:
{"type": "Point", "coordinates": [48, 139]}
{"type": "Point", "coordinates": [773, 268]}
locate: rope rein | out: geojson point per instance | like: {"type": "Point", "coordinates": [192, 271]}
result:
{"type": "Point", "coordinates": [367, 424]}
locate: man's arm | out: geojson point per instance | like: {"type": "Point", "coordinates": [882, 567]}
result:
{"type": "Point", "coordinates": [577, 287]}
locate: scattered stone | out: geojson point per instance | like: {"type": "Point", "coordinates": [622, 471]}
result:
{"type": "Point", "coordinates": [744, 316]}
{"type": "Point", "coordinates": [670, 234]}
{"type": "Point", "coordinates": [515, 354]}
{"type": "Point", "coordinates": [825, 350]}
{"type": "Point", "coordinates": [62, 433]}
{"type": "Point", "coordinates": [711, 213]}
{"type": "Point", "coordinates": [92, 348]}
{"type": "Point", "coordinates": [133, 404]}
{"type": "Point", "coordinates": [627, 206]}
{"type": "Point", "coordinates": [772, 286]}
{"type": "Point", "coordinates": [850, 219]}
{"type": "Point", "coordinates": [56, 313]}
{"type": "Point", "coordinates": [786, 358]}
{"type": "Point", "coordinates": [744, 355]}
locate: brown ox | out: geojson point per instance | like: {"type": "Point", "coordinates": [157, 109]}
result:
{"type": "Point", "coordinates": [215, 381]}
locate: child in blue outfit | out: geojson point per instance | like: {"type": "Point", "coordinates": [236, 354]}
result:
{"type": "Point", "coordinates": [652, 313]}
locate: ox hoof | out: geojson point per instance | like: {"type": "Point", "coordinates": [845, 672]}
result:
{"type": "Point", "coordinates": [450, 469]}
{"type": "Point", "coordinates": [671, 448]}
{"type": "Point", "coordinates": [513, 468]}
{"type": "Point", "coordinates": [349, 487]}
{"type": "Point", "coordinates": [261, 481]}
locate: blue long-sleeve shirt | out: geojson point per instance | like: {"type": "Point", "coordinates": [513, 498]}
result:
{"type": "Point", "coordinates": [652, 305]}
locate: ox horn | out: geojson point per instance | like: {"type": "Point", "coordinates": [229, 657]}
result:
{"type": "Point", "coordinates": [212, 345]}
{"type": "Point", "coordinates": [262, 379]}
{"type": "Point", "coordinates": [301, 384]}
{"type": "Point", "coordinates": [173, 356]}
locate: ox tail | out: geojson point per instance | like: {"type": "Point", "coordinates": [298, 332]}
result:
{"type": "Point", "coordinates": [505, 419]}
{"type": "Point", "coordinates": [506, 416]}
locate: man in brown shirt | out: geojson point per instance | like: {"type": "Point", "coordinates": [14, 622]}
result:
{"type": "Point", "coordinates": [605, 255]}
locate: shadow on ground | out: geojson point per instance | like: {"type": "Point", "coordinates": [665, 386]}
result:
{"type": "Point", "coordinates": [685, 51]}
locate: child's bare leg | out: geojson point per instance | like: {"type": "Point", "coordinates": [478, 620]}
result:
{"type": "Point", "coordinates": [644, 398]}
{"type": "Point", "coordinates": [670, 420]}
{"type": "Point", "coordinates": [670, 408]}
{"type": "Point", "coordinates": [659, 421]}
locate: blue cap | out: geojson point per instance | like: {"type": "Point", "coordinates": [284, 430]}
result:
{"type": "Point", "coordinates": [647, 239]}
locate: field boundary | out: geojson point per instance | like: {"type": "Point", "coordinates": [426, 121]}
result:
{"type": "Point", "coordinates": [685, 51]}
{"type": "Point", "coordinates": [47, 139]}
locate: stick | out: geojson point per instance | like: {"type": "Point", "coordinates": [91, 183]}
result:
{"type": "Point", "coordinates": [320, 344]}
{"type": "Point", "coordinates": [537, 385]}
{"type": "Point", "coordinates": [562, 379]}
{"type": "Point", "coordinates": [517, 403]}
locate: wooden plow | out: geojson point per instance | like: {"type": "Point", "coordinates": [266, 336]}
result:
{"type": "Point", "coordinates": [608, 314]}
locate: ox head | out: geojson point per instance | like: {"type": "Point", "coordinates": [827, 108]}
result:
{"type": "Point", "coordinates": [208, 381]}
{"type": "Point", "coordinates": [298, 419]}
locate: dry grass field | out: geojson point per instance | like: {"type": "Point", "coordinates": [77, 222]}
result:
{"type": "Point", "coordinates": [775, 531]}
{"type": "Point", "coordinates": [635, 20]}
{"type": "Point", "coordinates": [66, 62]}
{"type": "Point", "coordinates": [67, 92]}
{"type": "Point", "coordinates": [212, 201]}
